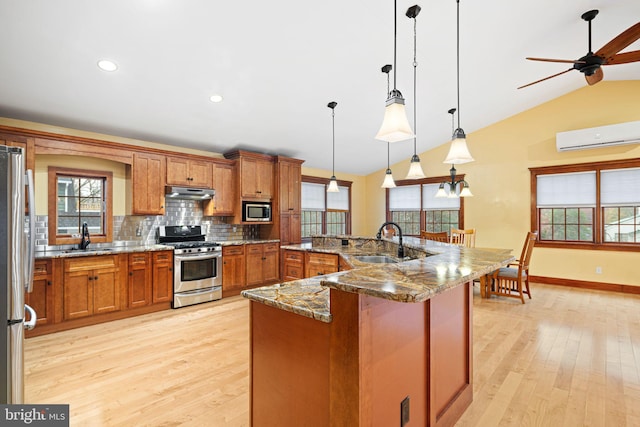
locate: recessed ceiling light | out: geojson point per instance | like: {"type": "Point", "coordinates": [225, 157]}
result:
{"type": "Point", "coordinates": [107, 65]}
{"type": "Point", "coordinates": [216, 98]}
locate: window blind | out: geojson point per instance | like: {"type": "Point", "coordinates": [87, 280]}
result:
{"type": "Point", "coordinates": [431, 202]}
{"type": "Point", "coordinates": [313, 196]}
{"type": "Point", "coordinates": [566, 190]}
{"type": "Point", "coordinates": [620, 187]}
{"type": "Point", "coordinates": [404, 198]}
{"type": "Point", "coordinates": [340, 200]}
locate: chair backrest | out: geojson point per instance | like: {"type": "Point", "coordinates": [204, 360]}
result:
{"type": "Point", "coordinates": [465, 238]}
{"type": "Point", "coordinates": [527, 250]}
{"type": "Point", "coordinates": [441, 236]}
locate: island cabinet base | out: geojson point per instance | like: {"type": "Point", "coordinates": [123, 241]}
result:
{"type": "Point", "coordinates": [358, 369]}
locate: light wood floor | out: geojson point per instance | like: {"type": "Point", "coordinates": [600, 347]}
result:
{"type": "Point", "coordinates": [566, 358]}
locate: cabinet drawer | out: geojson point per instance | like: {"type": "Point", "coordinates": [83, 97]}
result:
{"type": "Point", "coordinates": [293, 257]}
{"type": "Point", "coordinates": [324, 259]}
{"type": "Point", "coordinates": [137, 259]}
{"type": "Point", "coordinates": [90, 263]}
{"type": "Point", "coordinates": [254, 249]}
{"type": "Point", "coordinates": [233, 250]}
{"type": "Point", "coordinates": [163, 256]}
{"type": "Point", "coordinates": [271, 247]}
{"type": "Point", "coordinates": [293, 272]}
{"type": "Point", "coordinates": [42, 268]}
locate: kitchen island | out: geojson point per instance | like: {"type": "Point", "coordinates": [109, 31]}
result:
{"type": "Point", "coordinates": [379, 344]}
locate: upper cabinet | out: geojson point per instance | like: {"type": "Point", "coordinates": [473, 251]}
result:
{"type": "Point", "coordinates": [24, 142]}
{"type": "Point", "coordinates": [255, 172]}
{"type": "Point", "coordinates": [225, 185]}
{"type": "Point", "coordinates": [188, 172]}
{"type": "Point", "coordinates": [289, 184]}
{"type": "Point", "coordinates": [148, 171]}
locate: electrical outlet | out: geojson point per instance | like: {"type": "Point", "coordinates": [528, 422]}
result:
{"type": "Point", "coordinates": [345, 242]}
{"type": "Point", "coordinates": [598, 270]}
{"type": "Point", "coordinates": [404, 411]}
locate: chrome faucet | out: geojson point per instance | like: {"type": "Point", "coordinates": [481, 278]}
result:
{"type": "Point", "coordinates": [400, 247]}
{"type": "Point", "coordinates": [85, 236]}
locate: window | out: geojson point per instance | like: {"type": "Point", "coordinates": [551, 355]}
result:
{"type": "Point", "coordinates": [587, 206]}
{"type": "Point", "coordinates": [76, 197]}
{"type": "Point", "coordinates": [322, 212]}
{"type": "Point", "coordinates": [414, 207]}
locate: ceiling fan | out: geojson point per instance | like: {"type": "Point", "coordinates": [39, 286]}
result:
{"type": "Point", "coordinates": [590, 64]}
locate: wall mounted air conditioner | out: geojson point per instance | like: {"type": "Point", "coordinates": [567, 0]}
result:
{"type": "Point", "coordinates": [603, 136]}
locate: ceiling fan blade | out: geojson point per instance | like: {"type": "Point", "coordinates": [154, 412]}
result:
{"type": "Point", "coordinates": [546, 78]}
{"type": "Point", "coordinates": [595, 77]}
{"type": "Point", "coordinates": [624, 58]}
{"type": "Point", "coordinates": [568, 61]}
{"type": "Point", "coordinates": [623, 40]}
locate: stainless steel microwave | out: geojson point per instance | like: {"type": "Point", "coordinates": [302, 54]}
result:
{"type": "Point", "coordinates": [256, 212]}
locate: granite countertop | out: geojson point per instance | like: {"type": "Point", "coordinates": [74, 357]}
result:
{"type": "Point", "coordinates": [436, 268]}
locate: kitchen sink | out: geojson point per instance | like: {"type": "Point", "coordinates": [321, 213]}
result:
{"type": "Point", "coordinates": [376, 259]}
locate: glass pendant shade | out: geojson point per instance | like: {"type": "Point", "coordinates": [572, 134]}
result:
{"type": "Point", "coordinates": [333, 185]}
{"type": "Point", "coordinates": [415, 169]}
{"type": "Point", "coordinates": [466, 192]}
{"type": "Point", "coordinates": [458, 153]}
{"type": "Point", "coordinates": [395, 125]}
{"type": "Point", "coordinates": [441, 191]}
{"type": "Point", "coordinates": [388, 180]}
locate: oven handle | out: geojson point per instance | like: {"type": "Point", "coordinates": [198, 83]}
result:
{"type": "Point", "coordinates": [208, 255]}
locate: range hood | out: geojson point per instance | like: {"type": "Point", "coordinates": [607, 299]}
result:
{"type": "Point", "coordinates": [189, 193]}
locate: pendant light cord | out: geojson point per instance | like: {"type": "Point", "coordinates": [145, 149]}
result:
{"type": "Point", "coordinates": [458, 56]}
{"type": "Point", "coordinates": [395, 36]}
{"type": "Point", "coordinates": [333, 131]}
{"type": "Point", "coordinates": [415, 66]}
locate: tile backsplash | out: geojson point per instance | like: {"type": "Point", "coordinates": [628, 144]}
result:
{"type": "Point", "coordinates": [177, 212]}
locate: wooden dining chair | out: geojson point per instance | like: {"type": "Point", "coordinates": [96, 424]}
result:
{"type": "Point", "coordinates": [466, 238]}
{"type": "Point", "coordinates": [438, 237]}
{"type": "Point", "coordinates": [513, 280]}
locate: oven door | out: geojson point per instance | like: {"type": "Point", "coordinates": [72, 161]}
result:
{"type": "Point", "coordinates": [193, 272]}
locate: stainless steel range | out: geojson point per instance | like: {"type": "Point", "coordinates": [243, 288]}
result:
{"type": "Point", "coordinates": [197, 264]}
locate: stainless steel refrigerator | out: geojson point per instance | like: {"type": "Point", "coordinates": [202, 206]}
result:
{"type": "Point", "coordinates": [17, 244]}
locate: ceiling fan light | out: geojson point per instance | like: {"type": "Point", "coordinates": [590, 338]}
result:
{"type": "Point", "coordinates": [395, 125]}
{"type": "Point", "coordinates": [415, 169]}
{"type": "Point", "coordinates": [333, 185]}
{"type": "Point", "coordinates": [388, 180]}
{"type": "Point", "coordinates": [458, 152]}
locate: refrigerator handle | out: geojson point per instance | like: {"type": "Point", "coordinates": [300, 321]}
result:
{"type": "Point", "coordinates": [33, 318]}
{"type": "Point", "coordinates": [31, 245]}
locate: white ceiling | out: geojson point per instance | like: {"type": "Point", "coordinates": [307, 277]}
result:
{"type": "Point", "coordinates": [279, 63]}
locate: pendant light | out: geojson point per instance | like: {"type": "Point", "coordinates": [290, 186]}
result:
{"type": "Point", "coordinates": [333, 182]}
{"type": "Point", "coordinates": [415, 169]}
{"type": "Point", "coordinates": [395, 125]}
{"type": "Point", "coordinates": [453, 183]}
{"type": "Point", "coordinates": [388, 176]}
{"type": "Point", "coordinates": [458, 153]}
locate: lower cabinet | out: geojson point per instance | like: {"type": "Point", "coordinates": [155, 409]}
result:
{"type": "Point", "coordinates": [262, 263]}
{"type": "Point", "coordinates": [233, 270]}
{"type": "Point", "coordinates": [317, 264]}
{"type": "Point", "coordinates": [293, 265]}
{"type": "Point", "coordinates": [91, 286]}
{"type": "Point", "coordinates": [139, 289]}
{"type": "Point", "coordinates": [41, 297]}
{"type": "Point", "coordinates": [162, 277]}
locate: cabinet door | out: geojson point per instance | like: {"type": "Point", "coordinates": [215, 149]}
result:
{"type": "Point", "coordinates": [78, 294]}
{"type": "Point", "coordinates": [285, 229]}
{"type": "Point", "coordinates": [41, 298]}
{"type": "Point", "coordinates": [233, 272]}
{"type": "Point", "coordinates": [148, 174]}
{"type": "Point", "coordinates": [270, 263]}
{"type": "Point", "coordinates": [223, 183]}
{"type": "Point", "coordinates": [177, 171]}
{"type": "Point", "coordinates": [200, 173]}
{"type": "Point", "coordinates": [139, 280]}
{"type": "Point", "coordinates": [162, 276]}
{"type": "Point", "coordinates": [265, 179]}
{"type": "Point", "coordinates": [290, 187]}
{"type": "Point", "coordinates": [106, 291]}
{"type": "Point", "coordinates": [254, 262]}
{"type": "Point", "coordinates": [295, 229]}
{"type": "Point", "coordinates": [248, 177]}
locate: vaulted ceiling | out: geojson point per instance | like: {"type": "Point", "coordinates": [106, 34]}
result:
{"type": "Point", "coordinates": [277, 64]}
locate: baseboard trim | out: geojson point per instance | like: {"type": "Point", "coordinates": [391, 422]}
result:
{"type": "Point", "coordinates": [584, 284]}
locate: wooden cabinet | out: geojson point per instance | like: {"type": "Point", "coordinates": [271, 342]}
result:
{"type": "Point", "coordinates": [139, 286]}
{"type": "Point", "coordinates": [255, 175]}
{"type": "Point", "coordinates": [317, 264]}
{"type": "Point", "coordinates": [225, 198]}
{"type": "Point", "coordinates": [41, 298]}
{"type": "Point", "coordinates": [293, 265]}
{"type": "Point", "coordinates": [162, 277]}
{"type": "Point", "coordinates": [148, 180]}
{"type": "Point", "coordinates": [233, 269]}
{"type": "Point", "coordinates": [91, 286]}
{"type": "Point", "coordinates": [188, 172]}
{"type": "Point", "coordinates": [289, 194]}
{"type": "Point", "coordinates": [24, 142]}
{"type": "Point", "coordinates": [262, 263]}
